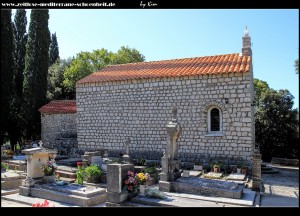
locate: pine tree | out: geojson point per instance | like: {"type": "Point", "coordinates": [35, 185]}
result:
{"type": "Point", "coordinates": [36, 69]}
{"type": "Point", "coordinates": [7, 70]}
{"type": "Point", "coordinates": [53, 50]}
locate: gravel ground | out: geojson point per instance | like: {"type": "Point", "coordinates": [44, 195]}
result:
{"type": "Point", "coordinates": [281, 189]}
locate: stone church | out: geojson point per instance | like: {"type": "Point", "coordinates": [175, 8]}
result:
{"type": "Point", "coordinates": [213, 96]}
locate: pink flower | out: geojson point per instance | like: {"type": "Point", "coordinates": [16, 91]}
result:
{"type": "Point", "coordinates": [130, 173]}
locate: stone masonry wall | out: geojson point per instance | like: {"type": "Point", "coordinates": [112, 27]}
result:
{"type": "Point", "coordinates": [110, 112]}
{"type": "Point", "coordinates": [59, 131]}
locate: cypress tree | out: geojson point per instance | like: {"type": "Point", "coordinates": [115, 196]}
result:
{"type": "Point", "coordinates": [53, 50]}
{"type": "Point", "coordinates": [36, 69]}
{"type": "Point", "coordinates": [20, 40]}
{"type": "Point", "coordinates": [16, 117]}
{"type": "Point", "coordinates": [7, 70]}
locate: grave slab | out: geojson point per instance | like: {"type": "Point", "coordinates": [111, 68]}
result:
{"type": "Point", "coordinates": [208, 187]}
{"type": "Point", "coordinates": [236, 177]}
{"type": "Point", "coordinates": [72, 193]}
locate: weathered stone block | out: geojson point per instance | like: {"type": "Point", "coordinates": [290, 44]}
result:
{"type": "Point", "coordinates": [164, 186]}
{"type": "Point", "coordinates": [114, 197]}
{"type": "Point", "coordinates": [115, 176]}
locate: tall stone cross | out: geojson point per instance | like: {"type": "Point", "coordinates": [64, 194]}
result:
{"type": "Point", "coordinates": [127, 142]}
{"type": "Point", "coordinates": [173, 132]}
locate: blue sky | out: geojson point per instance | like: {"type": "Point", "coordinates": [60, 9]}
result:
{"type": "Point", "coordinates": [168, 34]}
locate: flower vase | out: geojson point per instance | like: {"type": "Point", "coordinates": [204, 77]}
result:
{"type": "Point", "coordinates": [142, 189]}
{"type": "Point", "coordinates": [49, 179]}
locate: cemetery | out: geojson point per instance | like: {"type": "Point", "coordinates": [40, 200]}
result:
{"type": "Point", "coordinates": [123, 181]}
{"type": "Point", "coordinates": [179, 140]}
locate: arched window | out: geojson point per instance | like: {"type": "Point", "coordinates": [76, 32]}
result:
{"type": "Point", "coordinates": [214, 120]}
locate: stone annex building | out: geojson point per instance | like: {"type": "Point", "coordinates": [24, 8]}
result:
{"type": "Point", "coordinates": [213, 95]}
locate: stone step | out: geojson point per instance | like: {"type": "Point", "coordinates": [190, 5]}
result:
{"type": "Point", "coordinates": [31, 200]}
{"type": "Point", "coordinates": [133, 204]}
{"type": "Point", "coordinates": [140, 200]}
{"type": "Point", "coordinates": [11, 184]}
{"type": "Point", "coordinates": [68, 180]}
{"type": "Point", "coordinates": [5, 192]}
{"type": "Point", "coordinates": [65, 174]}
{"type": "Point", "coordinates": [18, 164]}
{"type": "Point", "coordinates": [67, 169]}
{"type": "Point", "coordinates": [266, 168]}
{"type": "Point", "coordinates": [270, 172]}
{"type": "Point", "coordinates": [100, 185]}
{"type": "Point", "coordinates": [69, 162]}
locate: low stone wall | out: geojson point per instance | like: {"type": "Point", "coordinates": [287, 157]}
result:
{"type": "Point", "coordinates": [285, 161]}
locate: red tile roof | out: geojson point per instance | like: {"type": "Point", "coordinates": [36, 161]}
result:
{"type": "Point", "coordinates": [219, 64]}
{"type": "Point", "coordinates": [59, 106]}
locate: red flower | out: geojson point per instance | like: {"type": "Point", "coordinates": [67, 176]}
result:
{"type": "Point", "coordinates": [79, 163]}
{"type": "Point", "coordinates": [43, 204]}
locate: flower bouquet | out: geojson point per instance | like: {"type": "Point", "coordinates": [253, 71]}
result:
{"type": "Point", "coordinates": [49, 168]}
{"type": "Point", "coordinates": [142, 178]}
{"type": "Point", "coordinates": [130, 182]}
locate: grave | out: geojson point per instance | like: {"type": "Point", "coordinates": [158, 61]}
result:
{"type": "Point", "coordinates": [71, 193]}
{"type": "Point", "coordinates": [89, 156]}
{"type": "Point", "coordinates": [170, 162]}
{"type": "Point", "coordinates": [115, 176]}
{"type": "Point", "coordinates": [213, 175]}
{"type": "Point", "coordinates": [16, 163]}
{"type": "Point", "coordinates": [207, 187]}
{"type": "Point", "coordinates": [10, 181]}
{"type": "Point", "coordinates": [236, 177]}
{"type": "Point", "coordinates": [35, 158]}
{"type": "Point", "coordinates": [170, 181]}
{"type": "Point", "coordinates": [69, 162]}
{"type": "Point", "coordinates": [195, 173]}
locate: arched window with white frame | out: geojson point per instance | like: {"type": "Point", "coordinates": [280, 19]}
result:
{"type": "Point", "coordinates": [214, 120]}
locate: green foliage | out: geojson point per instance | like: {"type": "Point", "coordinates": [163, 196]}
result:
{"type": "Point", "coordinates": [141, 162]}
{"type": "Point", "coordinates": [80, 175]}
{"type": "Point", "coordinates": [4, 166]}
{"type": "Point", "coordinates": [7, 70]}
{"type": "Point", "coordinates": [93, 171]}
{"type": "Point", "coordinates": [153, 172]}
{"type": "Point", "coordinates": [20, 40]}
{"type": "Point", "coordinates": [36, 70]}
{"type": "Point", "coordinates": [17, 121]}
{"type": "Point", "coordinates": [86, 63]}
{"type": "Point", "coordinates": [260, 87]}
{"type": "Point", "coordinates": [53, 50]}
{"type": "Point", "coordinates": [277, 125]}
{"type": "Point", "coordinates": [55, 88]}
